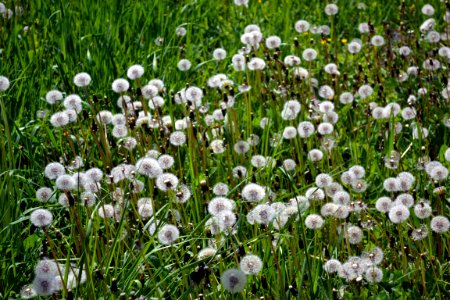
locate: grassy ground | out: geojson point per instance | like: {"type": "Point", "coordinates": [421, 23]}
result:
{"type": "Point", "coordinates": [46, 45]}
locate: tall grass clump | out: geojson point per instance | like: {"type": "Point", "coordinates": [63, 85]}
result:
{"type": "Point", "coordinates": [232, 150]}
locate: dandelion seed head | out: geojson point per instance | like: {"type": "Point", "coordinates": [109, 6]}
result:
{"type": "Point", "coordinates": [354, 235]}
{"type": "Point", "coordinates": [332, 266]}
{"type": "Point", "coordinates": [168, 234]}
{"type": "Point", "coordinates": [135, 71]}
{"type": "Point", "coordinates": [251, 264]}
{"type": "Point", "coordinates": [233, 280]}
{"type": "Point", "coordinates": [4, 83]}
{"type": "Point", "coordinates": [384, 204]}
{"type": "Point", "coordinates": [253, 192]}
{"type": "Point", "coordinates": [440, 224]}
{"type": "Point", "coordinates": [314, 221]}
{"type": "Point", "coordinates": [41, 217]}
{"type": "Point", "coordinates": [184, 64]}
{"type": "Point", "coordinates": [120, 85]}
{"type": "Point", "coordinates": [177, 138]}
{"type": "Point", "coordinates": [427, 10]}
{"type": "Point", "coordinates": [273, 42]}
{"type": "Point", "coordinates": [373, 275]}
{"type": "Point", "coordinates": [420, 233]}
{"type": "Point", "coordinates": [82, 79]}
{"type": "Point", "coordinates": [331, 9]}
{"type": "Point", "coordinates": [166, 181]}
{"type": "Point", "coordinates": [220, 189]}
{"type": "Point", "coordinates": [398, 214]}
{"type": "Point", "coordinates": [106, 211]}
{"type": "Point", "coordinates": [43, 286]}
{"type": "Point", "coordinates": [309, 54]}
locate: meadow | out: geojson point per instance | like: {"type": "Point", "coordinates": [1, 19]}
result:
{"type": "Point", "coordinates": [239, 149]}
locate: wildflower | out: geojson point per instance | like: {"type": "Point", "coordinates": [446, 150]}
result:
{"type": "Point", "coordinates": [87, 199]}
{"type": "Point", "coordinates": [263, 214]}
{"type": "Point", "coordinates": [105, 117]}
{"type": "Point", "coordinates": [331, 69]}
{"type": "Point", "coordinates": [273, 42]}
{"type": "Point", "coordinates": [326, 92]}
{"type": "Point", "coordinates": [166, 161]}
{"type": "Point", "coordinates": [314, 221]}
{"type": "Point", "coordinates": [148, 167]}
{"type": "Point", "coordinates": [27, 292]}
{"type": "Point", "coordinates": [59, 119]}
{"type": "Point", "coordinates": [315, 154]}
{"type": "Point", "coordinates": [168, 234]}
{"type": "Point", "coordinates": [290, 110]}
{"type": "Point", "coordinates": [341, 197]}
{"type": "Point", "coordinates": [184, 64]}
{"type": "Point", "coordinates": [195, 95]}
{"type": "Point", "coordinates": [239, 172]}
{"type": "Point", "coordinates": [391, 184]}
{"type": "Point", "coordinates": [53, 96]}
{"type": "Point", "coordinates": [325, 128]}
{"type": "Point", "coordinates": [183, 194]}
{"type": "Point", "coordinates": [41, 217]}
{"type": "Point", "coordinates": [120, 85]}
{"type": "Point", "coordinates": [43, 286]}
{"type": "Point", "coordinates": [373, 275]}
{"type": "Point", "coordinates": [135, 72]}
{"type": "Point", "coordinates": [384, 204]}
{"type": "Point", "coordinates": [433, 36]}
{"type": "Point", "coordinates": [333, 188]}
{"type": "Point", "coordinates": [365, 91]}
{"type": "Point", "coordinates": [217, 146]}
{"type": "Point", "coordinates": [354, 47]}
{"type": "Point", "coordinates": [420, 233]}
{"type": "Point", "coordinates": [54, 170]}
{"type": "Point", "coordinates": [65, 182]}
{"type": "Point", "coordinates": [4, 83]}
{"type": "Point", "coordinates": [323, 180]}
{"type": "Point", "coordinates": [177, 138]}
{"type": "Point", "coordinates": [44, 194]}
{"type": "Point", "coordinates": [332, 266]}
{"type": "Point", "coordinates": [220, 189]}
{"type": "Point", "coordinates": [219, 54]}
{"type": "Point", "coordinates": [241, 147]}
{"type": "Point", "coordinates": [377, 40]}
{"type": "Point", "coordinates": [251, 264]}
{"type": "Point", "coordinates": [398, 214]}
{"type": "Point", "coordinates": [292, 60]}
{"type": "Point", "coordinates": [301, 26]}
{"type": "Point", "coordinates": [82, 79]}
{"type": "Point", "coordinates": [289, 132]}
{"type": "Point", "coordinates": [439, 173]}
{"type": "Point", "coordinates": [309, 54]}
{"type": "Point", "coordinates": [241, 3]}
{"type": "Point", "coordinates": [305, 129]}
{"type": "Point", "coordinates": [218, 205]}
{"type": "Point", "coordinates": [106, 211]}
{"type": "Point", "coordinates": [238, 61]}
{"type": "Point", "coordinates": [253, 192]}
{"type": "Point", "coordinates": [331, 9]}
{"type": "Point", "coordinates": [289, 164]}
{"type": "Point", "coordinates": [256, 64]}
{"type": "Point", "coordinates": [233, 280]}
{"type": "Point", "coordinates": [207, 252]}
{"type": "Point", "coordinates": [431, 64]}
{"type": "Point", "coordinates": [166, 181]}
{"type": "Point", "coordinates": [46, 268]}
{"type": "Point", "coordinates": [73, 102]}
{"type": "Point", "coordinates": [422, 210]}
{"type": "Point", "coordinates": [145, 210]}
{"type": "Point", "coordinates": [427, 10]}
{"type": "Point", "coordinates": [328, 209]}
{"type": "Point", "coordinates": [404, 199]}
{"type": "Point", "coordinates": [354, 235]}
{"type": "Point", "coordinates": [149, 91]}
{"type": "Point", "coordinates": [440, 224]}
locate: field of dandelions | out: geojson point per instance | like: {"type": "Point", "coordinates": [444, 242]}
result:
{"type": "Point", "coordinates": [224, 149]}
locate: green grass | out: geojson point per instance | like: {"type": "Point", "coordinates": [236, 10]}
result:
{"type": "Point", "coordinates": [106, 37]}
